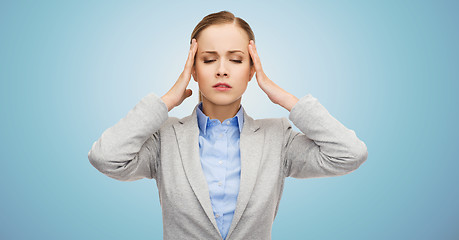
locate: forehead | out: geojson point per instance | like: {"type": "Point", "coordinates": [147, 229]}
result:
{"type": "Point", "coordinates": [222, 38]}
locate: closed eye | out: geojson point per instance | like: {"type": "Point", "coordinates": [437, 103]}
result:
{"type": "Point", "coordinates": [237, 61]}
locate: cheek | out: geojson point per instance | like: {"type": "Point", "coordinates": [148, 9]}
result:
{"type": "Point", "coordinates": [203, 72]}
{"type": "Point", "coordinates": [243, 72]}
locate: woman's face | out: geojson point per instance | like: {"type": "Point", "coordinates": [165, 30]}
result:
{"type": "Point", "coordinates": [222, 57]}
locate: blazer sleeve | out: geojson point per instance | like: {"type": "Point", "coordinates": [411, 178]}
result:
{"type": "Point", "coordinates": [129, 150]}
{"type": "Point", "coordinates": [323, 148]}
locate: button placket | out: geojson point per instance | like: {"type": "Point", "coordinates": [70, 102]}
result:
{"type": "Point", "coordinates": [222, 134]}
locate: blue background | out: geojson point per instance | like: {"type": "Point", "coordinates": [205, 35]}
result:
{"type": "Point", "coordinates": [387, 70]}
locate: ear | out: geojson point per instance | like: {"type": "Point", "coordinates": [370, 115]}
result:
{"type": "Point", "coordinates": [193, 73]}
{"type": "Point", "coordinates": [252, 71]}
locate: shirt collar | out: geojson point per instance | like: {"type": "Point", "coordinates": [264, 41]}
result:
{"type": "Point", "coordinates": [203, 119]}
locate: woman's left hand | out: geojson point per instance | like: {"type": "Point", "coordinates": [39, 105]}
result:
{"type": "Point", "coordinates": [275, 93]}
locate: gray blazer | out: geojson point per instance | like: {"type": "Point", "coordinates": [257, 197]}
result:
{"type": "Point", "coordinates": [146, 143]}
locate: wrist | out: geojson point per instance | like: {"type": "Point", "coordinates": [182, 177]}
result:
{"type": "Point", "coordinates": [289, 101]}
{"type": "Point", "coordinates": [166, 99]}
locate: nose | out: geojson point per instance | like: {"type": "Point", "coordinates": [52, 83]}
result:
{"type": "Point", "coordinates": [220, 74]}
{"type": "Point", "coordinates": [221, 71]}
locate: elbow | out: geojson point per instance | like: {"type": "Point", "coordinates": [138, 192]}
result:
{"type": "Point", "coordinates": [113, 169]}
{"type": "Point", "coordinates": [363, 153]}
{"type": "Point", "coordinates": [360, 155]}
{"type": "Point", "coordinates": [357, 155]}
{"type": "Point", "coordinates": [96, 160]}
{"type": "Point", "coordinates": [353, 157]}
{"type": "Point", "coordinates": [103, 166]}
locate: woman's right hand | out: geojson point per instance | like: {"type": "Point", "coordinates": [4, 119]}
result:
{"type": "Point", "coordinates": [179, 92]}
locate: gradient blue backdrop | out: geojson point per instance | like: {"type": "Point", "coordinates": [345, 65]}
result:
{"type": "Point", "coordinates": [388, 70]}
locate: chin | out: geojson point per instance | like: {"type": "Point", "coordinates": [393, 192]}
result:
{"type": "Point", "coordinates": [223, 100]}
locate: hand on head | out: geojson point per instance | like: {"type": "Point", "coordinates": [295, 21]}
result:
{"type": "Point", "coordinates": [179, 92]}
{"type": "Point", "coordinates": [275, 93]}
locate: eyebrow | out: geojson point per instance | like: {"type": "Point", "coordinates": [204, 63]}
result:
{"type": "Point", "coordinates": [232, 51]}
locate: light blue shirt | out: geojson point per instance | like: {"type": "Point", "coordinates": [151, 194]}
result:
{"type": "Point", "coordinates": [221, 163]}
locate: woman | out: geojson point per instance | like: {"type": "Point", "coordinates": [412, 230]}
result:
{"type": "Point", "coordinates": [220, 173]}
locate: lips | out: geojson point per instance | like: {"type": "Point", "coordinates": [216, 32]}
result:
{"type": "Point", "coordinates": [221, 85]}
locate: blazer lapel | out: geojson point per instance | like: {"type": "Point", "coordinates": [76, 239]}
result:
{"type": "Point", "coordinates": [187, 133]}
{"type": "Point", "coordinates": [251, 148]}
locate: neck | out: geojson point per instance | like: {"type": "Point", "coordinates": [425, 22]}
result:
{"type": "Point", "coordinates": [220, 112]}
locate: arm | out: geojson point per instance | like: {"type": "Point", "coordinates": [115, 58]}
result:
{"type": "Point", "coordinates": [129, 150]}
{"type": "Point", "coordinates": [325, 147]}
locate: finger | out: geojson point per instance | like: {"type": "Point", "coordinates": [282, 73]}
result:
{"type": "Point", "coordinates": [195, 50]}
{"type": "Point", "coordinates": [188, 93]}
{"type": "Point", "coordinates": [190, 53]}
{"type": "Point", "coordinates": [190, 60]}
{"type": "Point", "coordinates": [255, 57]}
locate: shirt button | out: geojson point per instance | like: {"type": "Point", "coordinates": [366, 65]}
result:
{"type": "Point", "coordinates": [228, 122]}
{"type": "Point", "coordinates": [217, 216]}
{"type": "Point", "coordinates": [219, 183]}
{"type": "Point", "coordinates": [220, 162]}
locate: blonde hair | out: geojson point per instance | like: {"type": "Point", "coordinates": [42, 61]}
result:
{"type": "Point", "coordinates": [222, 17]}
